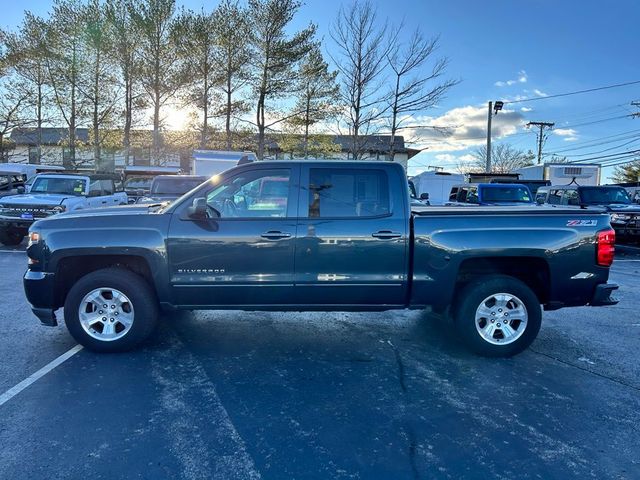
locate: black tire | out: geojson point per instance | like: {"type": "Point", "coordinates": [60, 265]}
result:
{"type": "Point", "coordinates": [11, 237]}
{"type": "Point", "coordinates": [142, 300]}
{"type": "Point", "coordinates": [469, 301]}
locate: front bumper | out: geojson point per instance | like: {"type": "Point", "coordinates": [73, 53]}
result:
{"type": "Point", "coordinates": [17, 223]}
{"type": "Point", "coordinates": [39, 288]}
{"type": "Point", "coordinates": [602, 295]}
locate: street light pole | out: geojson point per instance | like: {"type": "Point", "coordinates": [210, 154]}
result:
{"type": "Point", "coordinates": [489, 113]}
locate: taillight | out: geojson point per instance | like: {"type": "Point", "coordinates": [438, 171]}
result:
{"type": "Point", "coordinates": [605, 247]}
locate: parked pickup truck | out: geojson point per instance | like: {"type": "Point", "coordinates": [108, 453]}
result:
{"type": "Point", "coordinates": [625, 215]}
{"type": "Point", "coordinates": [495, 194]}
{"type": "Point", "coordinates": [339, 237]}
{"type": "Point", "coordinates": [53, 193]}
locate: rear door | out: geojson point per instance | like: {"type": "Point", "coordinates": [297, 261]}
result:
{"type": "Point", "coordinates": [353, 236]}
{"type": "Point", "coordinates": [245, 256]}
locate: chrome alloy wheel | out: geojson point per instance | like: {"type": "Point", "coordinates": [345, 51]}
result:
{"type": "Point", "coordinates": [501, 318]}
{"type": "Point", "coordinates": [106, 314]}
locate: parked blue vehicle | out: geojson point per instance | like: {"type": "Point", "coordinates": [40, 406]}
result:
{"type": "Point", "coordinates": [316, 236]}
{"type": "Point", "coordinates": [497, 194]}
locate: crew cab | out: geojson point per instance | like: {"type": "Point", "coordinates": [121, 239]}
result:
{"type": "Point", "coordinates": [323, 236]}
{"type": "Point", "coordinates": [498, 194]}
{"type": "Point", "coordinates": [625, 215]}
{"type": "Point", "coordinates": [51, 194]}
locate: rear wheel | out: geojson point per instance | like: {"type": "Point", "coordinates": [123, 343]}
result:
{"type": "Point", "coordinates": [111, 310]}
{"type": "Point", "coordinates": [9, 236]}
{"type": "Point", "coordinates": [498, 316]}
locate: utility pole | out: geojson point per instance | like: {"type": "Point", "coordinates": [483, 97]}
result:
{"type": "Point", "coordinates": [489, 114]}
{"type": "Point", "coordinates": [542, 126]}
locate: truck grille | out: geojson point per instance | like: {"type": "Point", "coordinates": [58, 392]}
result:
{"type": "Point", "coordinates": [26, 211]}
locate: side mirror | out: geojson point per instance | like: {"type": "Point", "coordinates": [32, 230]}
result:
{"type": "Point", "coordinates": [540, 200]}
{"type": "Point", "coordinates": [198, 209]}
{"type": "Point", "coordinates": [20, 190]}
{"type": "Point", "coordinates": [424, 196]}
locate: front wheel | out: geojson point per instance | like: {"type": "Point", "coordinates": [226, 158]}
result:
{"type": "Point", "coordinates": [497, 316]}
{"type": "Point", "coordinates": [111, 310]}
{"type": "Point", "coordinates": [11, 237]}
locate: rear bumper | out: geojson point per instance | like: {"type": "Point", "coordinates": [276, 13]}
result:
{"type": "Point", "coordinates": [602, 295]}
{"type": "Point", "coordinates": [39, 289]}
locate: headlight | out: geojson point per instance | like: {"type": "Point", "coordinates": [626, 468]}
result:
{"type": "Point", "coordinates": [34, 237]}
{"type": "Point", "coordinates": [620, 217]}
{"type": "Point", "coordinates": [59, 209]}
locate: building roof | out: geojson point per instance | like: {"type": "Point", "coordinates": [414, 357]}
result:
{"type": "Point", "coordinates": [370, 143]}
{"type": "Point", "coordinates": [50, 136]}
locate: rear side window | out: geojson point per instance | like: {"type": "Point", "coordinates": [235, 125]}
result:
{"type": "Point", "coordinates": [348, 193]}
{"type": "Point", "coordinates": [555, 197]}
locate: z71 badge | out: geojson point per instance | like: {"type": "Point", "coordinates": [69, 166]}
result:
{"type": "Point", "coordinates": [582, 223]}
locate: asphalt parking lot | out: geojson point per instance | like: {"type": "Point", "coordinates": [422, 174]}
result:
{"type": "Point", "coordinates": [279, 396]}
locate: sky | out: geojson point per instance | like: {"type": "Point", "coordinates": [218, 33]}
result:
{"type": "Point", "coordinates": [504, 50]}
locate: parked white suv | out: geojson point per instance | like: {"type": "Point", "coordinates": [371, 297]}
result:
{"type": "Point", "coordinates": [51, 194]}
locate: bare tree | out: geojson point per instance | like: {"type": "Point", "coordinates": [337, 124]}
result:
{"type": "Point", "coordinates": [124, 44]}
{"type": "Point", "coordinates": [504, 159]}
{"type": "Point", "coordinates": [231, 29]}
{"type": "Point", "coordinates": [412, 89]}
{"type": "Point", "coordinates": [26, 50]}
{"type": "Point", "coordinates": [99, 85]}
{"type": "Point", "coordinates": [161, 72]}
{"type": "Point", "coordinates": [317, 95]}
{"type": "Point", "coordinates": [274, 56]}
{"type": "Point", "coordinates": [64, 64]}
{"type": "Point", "coordinates": [12, 102]}
{"type": "Point", "coordinates": [363, 45]}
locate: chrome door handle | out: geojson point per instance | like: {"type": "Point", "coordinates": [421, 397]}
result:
{"type": "Point", "coordinates": [386, 234]}
{"type": "Point", "coordinates": [275, 235]}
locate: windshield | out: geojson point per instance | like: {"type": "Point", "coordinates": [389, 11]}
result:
{"type": "Point", "coordinates": [506, 194]}
{"type": "Point", "coordinates": [174, 186]}
{"type": "Point", "coordinates": [66, 186]}
{"type": "Point", "coordinates": [604, 195]}
{"type": "Point", "coordinates": [138, 183]}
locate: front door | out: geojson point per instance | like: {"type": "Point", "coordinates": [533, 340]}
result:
{"type": "Point", "coordinates": [352, 237]}
{"type": "Point", "coordinates": [243, 253]}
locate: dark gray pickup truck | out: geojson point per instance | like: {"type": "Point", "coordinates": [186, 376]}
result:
{"type": "Point", "coordinates": [328, 236]}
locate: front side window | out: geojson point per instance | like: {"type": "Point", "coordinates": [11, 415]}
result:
{"type": "Point", "coordinates": [348, 193]}
{"type": "Point", "coordinates": [253, 194]}
{"type": "Point", "coordinates": [571, 198]}
{"type": "Point", "coordinates": [506, 194]}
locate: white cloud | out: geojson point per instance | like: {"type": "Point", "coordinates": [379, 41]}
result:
{"type": "Point", "coordinates": [522, 78]}
{"type": "Point", "coordinates": [526, 109]}
{"type": "Point", "coordinates": [540, 93]}
{"type": "Point", "coordinates": [461, 128]}
{"type": "Point", "coordinates": [569, 134]}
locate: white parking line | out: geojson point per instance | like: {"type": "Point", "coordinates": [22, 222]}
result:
{"type": "Point", "coordinates": [13, 251]}
{"type": "Point", "coordinates": [13, 391]}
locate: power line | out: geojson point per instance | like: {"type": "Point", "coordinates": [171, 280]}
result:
{"type": "Point", "coordinates": [596, 142]}
{"type": "Point", "coordinates": [617, 85]}
{"type": "Point", "coordinates": [629, 152]}
{"type": "Point", "coordinates": [602, 151]}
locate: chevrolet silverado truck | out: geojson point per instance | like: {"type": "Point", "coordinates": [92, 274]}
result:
{"type": "Point", "coordinates": [335, 236]}
{"type": "Point", "coordinates": [53, 193]}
